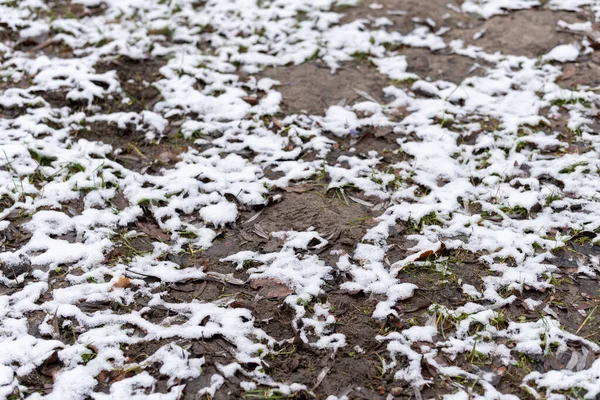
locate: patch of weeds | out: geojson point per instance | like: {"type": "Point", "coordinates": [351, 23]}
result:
{"type": "Point", "coordinates": [268, 394]}
{"type": "Point", "coordinates": [440, 269]}
{"type": "Point", "coordinates": [41, 159]}
{"type": "Point", "coordinates": [405, 82]}
{"type": "Point", "coordinates": [428, 219]}
{"type": "Point", "coordinates": [102, 42]}
{"type": "Point", "coordinates": [360, 55]}
{"type": "Point", "coordinates": [303, 302]}
{"type": "Point", "coordinates": [445, 122]}
{"type": "Point", "coordinates": [516, 210]}
{"type": "Point", "coordinates": [521, 145]}
{"type": "Point", "coordinates": [552, 197]}
{"type": "Point", "coordinates": [314, 55]}
{"type": "Point", "coordinates": [573, 167]}
{"type": "Point", "coordinates": [188, 234]}
{"type": "Point", "coordinates": [577, 393]}
{"type": "Point", "coordinates": [166, 32]}
{"type": "Point", "coordinates": [359, 220]}
{"type": "Point", "coordinates": [563, 102]}
{"type": "Point", "coordinates": [340, 194]}
{"type": "Point", "coordinates": [525, 363]}
{"type": "Point", "coordinates": [444, 321]}
{"type": "Point", "coordinates": [499, 321]}
{"type": "Point", "coordinates": [476, 357]}
{"type": "Point", "coordinates": [87, 357]}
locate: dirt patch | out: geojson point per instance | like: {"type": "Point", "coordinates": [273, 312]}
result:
{"type": "Point", "coordinates": [581, 74]}
{"type": "Point", "coordinates": [136, 77]}
{"type": "Point", "coordinates": [435, 66]}
{"type": "Point", "coordinates": [530, 33]}
{"type": "Point", "coordinates": [136, 152]}
{"type": "Point", "coordinates": [311, 88]}
{"type": "Point", "coordinates": [406, 13]}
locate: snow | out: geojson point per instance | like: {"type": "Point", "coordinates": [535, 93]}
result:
{"type": "Point", "coordinates": [477, 158]}
{"type": "Point", "coordinates": [219, 214]}
{"type": "Point", "coordinates": [562, 53]}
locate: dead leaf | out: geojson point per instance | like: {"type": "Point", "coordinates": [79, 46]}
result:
{"type": "Point", "coordinates": [570, 72]}
{"type": "Point", "coordinates": [270, 288]}
{"type": "Point", "coordinates": [242, 304]}
{"type": "Point", "coordinates": [215, 276]}
{"type": "Point", "coordinates": [573, 361]}
{"type": "Point", "coordinates": [361, 201]}
{"type": "Point", "coordinates": [166, 157]}
{"type": "Point", "coordinates": [250, 100]}
{"type": "Point", "coordinates": [298, 188]}
{"type": "Point", "coordinates": [321, 376]}
{"type": "Point", "coordinates": [424, 255]}
{"type": "Point", "coordinates": [123, 282]}
{"type": "Point", "coordinates": [120, 201]}
{"type": "Point", "coordinates": [259, 231]}
{"type": "Point", "coordinates": [153, 231]}
{"type": "Point", "coordinates": [252, 218]}
{"type": "Point", "coordinates": [382, 131]}
{"type": "Point", "coordinates": [51, 365]}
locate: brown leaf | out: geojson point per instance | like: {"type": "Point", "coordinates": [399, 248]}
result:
{"type": "Point", "coordinates": [270, 288]}
{"type": "Point", "coordinates": [298, 188]}
{"type": "Point", "coordinates": [551, 363]}
{"type": "Point", "coordinates": [424, 255]}
{"type": "Point", "coordinates": [120, 201]}
{"type": "Point", "coordinates": [153, 231]}
{"type": "Point", "coordinates": [570, 72]}
{"type": "Point", "coordinates": [50, 366]}
{"type": "Point", "coordinates": [123, 282]}
{"type": "Point", "coordinates": [382, 131]}
{"type": "Point", "coordinates": [250, 100]}
{"type": "Point", "coordinates": [295, 364]}
{"type": "Point", "coordinates": [586, 305]}
{"type": "Point", "coordinates": [103, 376]}
{"type": "Point", "coordinates": [242, 304]}
{"type": "Point", "coordinates": [166, 157]}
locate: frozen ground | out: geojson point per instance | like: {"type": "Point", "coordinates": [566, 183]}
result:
{"type": "Point", "coordinates": [299, 199]}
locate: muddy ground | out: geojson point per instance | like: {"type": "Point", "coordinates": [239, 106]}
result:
{"type": "Point", "coordinates": [311, 88]}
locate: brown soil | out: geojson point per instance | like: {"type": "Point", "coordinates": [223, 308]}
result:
{"type": "Point", "coordinates": [311, 88]}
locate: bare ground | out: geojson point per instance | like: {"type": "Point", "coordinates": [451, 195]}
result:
{"type": "Point", "coordinates": [311, 88]}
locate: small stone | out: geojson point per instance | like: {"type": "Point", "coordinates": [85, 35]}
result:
{"type": "Point", "coordinates": [381, 390]}
{"type": "Point", "coordinates": [396, 391]}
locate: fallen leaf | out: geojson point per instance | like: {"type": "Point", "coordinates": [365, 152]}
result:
{"type": "Point", "coordinates": [424, 255]}
{"type": "Point", "coordinates": [381, 131]}
{"type": "Point", "coordinates": [166, 157]}
{"type": "Point", "coordinates": [242, 304]}
{"type": "Point", "coordinates": [120, 201]}
{"type": "Point", "coordinates": [298, 188]}
{"type": "Point", "coordinates": [569, 73]}
{"type": "Point", "coordinates": [250, 100]}
{"type": "Point", "coordinates": [50, 366]}
{"type": "Point", "coordinates": [215, 276]}
{"type": "Point", "coordinates": [270, 288]}
{"type": "Point", "coordinates": [361, 201]}
{"type": "Point", "coordinates": [153, 231]}
{"type": "Point", "coordinates": [123, 282]}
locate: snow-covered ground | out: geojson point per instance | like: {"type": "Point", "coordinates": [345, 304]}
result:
{"type": "Point", "coordinates": [299, 198]}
